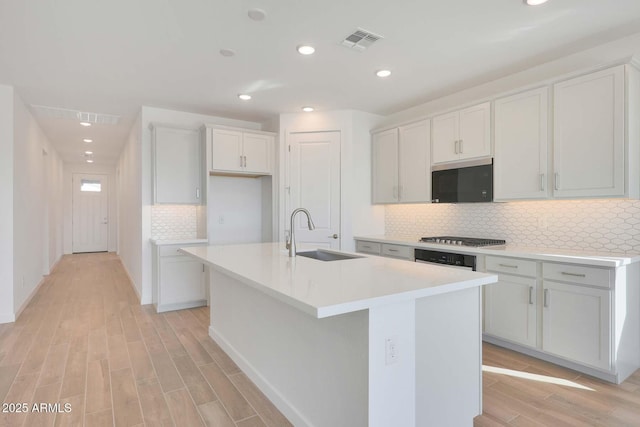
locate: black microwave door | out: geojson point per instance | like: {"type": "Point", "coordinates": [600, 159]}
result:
{"type": "Point", "coordinates": [444, 185]}
{"type": "Point", "coordinates": [475, 184]}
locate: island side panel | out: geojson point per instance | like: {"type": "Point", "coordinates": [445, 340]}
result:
{"type": "Point", "coordinates": [314, 370]}
{"type": "Point", "coordinates": [449, 359]}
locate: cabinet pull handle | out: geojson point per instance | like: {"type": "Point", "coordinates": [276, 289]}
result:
{"type": "Point", "coordinates": [564, 273]}
{"type": "Point", "coordinates": [245, 161]}
{"type": "Point", "coordinates": [461, 146]}
{"type": "Point", "coordinates": [556, 181]}
{"type": "Point", "coordinates": [240, 161]}
{"type": "Point", "coordinates": [546, 298]}
{"type": "Point", "coordinates": [508, 265]}
{"type": "Point", "coordinates": [366, 246]}
{"type": "Point", "coordinates": [541, 182]}
{"type": "Point", "coordinates": [197, 193]}
{"type": "Point", "coordinates": [530, 295]}
{"type": "Point", "coordinates": [455, 146]}
{"type": "Point", "coordinates": [392, 250]}
{"type": "Point", "coordinates": [395, 192]}
{"type": "Point", "coordinates": [203, 268]}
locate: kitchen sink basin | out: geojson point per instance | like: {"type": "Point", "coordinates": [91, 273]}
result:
{"type": "Point", "coordinates": [326, 255]}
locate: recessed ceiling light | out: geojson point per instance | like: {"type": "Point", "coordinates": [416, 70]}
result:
{"type": "Point", "coordinates": [85, 124]}
{"type": "Point", "coordinates": [88, 140]}
{"type": "Point", "coordinates": [244, 96]}
{"type": "Point", "coordinates": [257, 14]}
{"type": "Point", "coordinates": [227, 52]}
{"type": "Point", "coordinates": [88, 153]}
{"type": "Point", "coordinates": [89, 161]}
{"type": "Point", "coordinates": [383, 73]}
{"type": "Point", "coordinates": [305, 49]}
{"type": "Point", "coordinates": [535, 2]}
{"type": "Point", "coordinates": [307, 109]}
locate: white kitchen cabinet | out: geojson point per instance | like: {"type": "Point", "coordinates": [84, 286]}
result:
{"type": "Point", "coordinates": [177, 165]}
{"type": "Point", "coordinates": [577, 323]}
{"type": "Point", "coordinates": [521, 141]}
{"type": "Point", "coordinates": [235, 151]}
{"type": "Point", "coordinates": [589, 135]}
{"type": "Point", "coordinates": [389, 250]}
{"type": "Point", "coordinates": [510, 304]}
{"type": "Point", "coordinates": [463, 134]}
{"type": "Point", "coordinates": [401, 172]}
{"type": "Point", "coordinates": [179, 280]}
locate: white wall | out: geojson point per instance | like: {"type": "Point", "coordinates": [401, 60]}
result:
{"type": "Point", "coordinates": [357, 213]}
{"type": "Point", "coordinates": [6, 207]}
{"type": "Point", "coordinates": [177, 118]}
{"type": "Point", "coordinates": [37, 200]}
{"type": "Point", "coordinates": [236, 213]}
{"type": "Point", "coordinates": [129, 206]}
{"type": "Point", "coordinates": [110, 171]}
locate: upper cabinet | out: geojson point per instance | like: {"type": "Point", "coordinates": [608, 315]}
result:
{"type": "Point", "coordinates": [177, 165]}
{"type": "Point", "coordinates": [401, 166]}
{"type": "Point", "coordinates": [589, 135]}
{"type": "Point", "coordinates": [521, 140]}
{"type": "Point", "coordinates": [239, 152]}
{"type": "Point", "coordinates": [463, 134]}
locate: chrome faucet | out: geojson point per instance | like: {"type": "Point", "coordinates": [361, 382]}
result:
{"type": "Point", "coordinates": [291, 241]}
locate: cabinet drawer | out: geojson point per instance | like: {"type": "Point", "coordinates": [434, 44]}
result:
{"type": "Point", "coordinates": [172, 250]}
{"type": "Point", "coordinates": [601, 277]}
{"type": "Point", "coordinates": [397, 251]}
{"type": "Point", "coordinates": [521, 267]}
{"type": "Point", "coordinates": [368, 247]}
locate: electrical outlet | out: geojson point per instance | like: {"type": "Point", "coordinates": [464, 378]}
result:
{"type": "Point", "coordinates": [391, 350]}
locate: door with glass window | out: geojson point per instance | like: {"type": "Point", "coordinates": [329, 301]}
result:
{"type": "Point", "coordinates": [90, 213]}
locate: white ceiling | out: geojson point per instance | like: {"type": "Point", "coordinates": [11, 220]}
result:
{"type": "Point", "coordinates": [114, 56]}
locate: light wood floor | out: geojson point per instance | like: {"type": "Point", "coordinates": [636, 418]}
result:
{"type": "Point", "coordinates": [529, 392]}
{"type": "Point", "coordinates": [85, 340]}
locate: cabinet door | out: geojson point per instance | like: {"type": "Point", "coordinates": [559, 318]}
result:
{"type": "Point", "coordinates": [475, 131]}
{"type": "Point", "coordinates": [576, 323]}
{"type": "Point", "coordinates": [256, 150]}
{"type": "Point", "coordinates": [589, 135]}
{"type": "Point", "coordinates": [226, 150]}
{"type": "Point", "coordinates": [181, 281]}
{"type": "Point", "coordinates": [445, 137]}
{"type": "Point", "coordinates": [521, 136]}
{"type": "Point", "coordinates": [385, 166]}
{"type": "Point", "coordinates": [510, 309]}
{"type": "Point", "coordinates": [414, 167]}
{"type": "Point", "coordinates": [177, 165]}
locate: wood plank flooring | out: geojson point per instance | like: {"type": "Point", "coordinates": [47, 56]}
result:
{"type": "Point", "coordinates": [85, 341]}
{"type": "Point", "coordinates": [519, 390]}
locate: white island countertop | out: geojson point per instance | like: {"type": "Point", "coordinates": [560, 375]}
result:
{"type": "Point", "coordinates": [329, 288]}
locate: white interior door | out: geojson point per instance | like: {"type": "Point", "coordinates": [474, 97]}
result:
{"type": "Point", "coordinates": [90, 213]}
{"type": "Point", "coordinates": [314, 184]}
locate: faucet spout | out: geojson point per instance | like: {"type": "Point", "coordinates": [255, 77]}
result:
{"type": "Point", "coordinates": [291, 241]}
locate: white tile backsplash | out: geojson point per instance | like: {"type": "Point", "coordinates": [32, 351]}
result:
{"type": "Point", "coordinates": [601, 225]}
{"type": "Point", "coordinates": [174, 222]}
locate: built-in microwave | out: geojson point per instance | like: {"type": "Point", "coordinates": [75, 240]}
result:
{"type": "Point", "coordinates": [468, 182]}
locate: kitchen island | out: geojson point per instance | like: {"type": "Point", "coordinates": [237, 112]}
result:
{"type": "Point", "coordinates": [354, 342]}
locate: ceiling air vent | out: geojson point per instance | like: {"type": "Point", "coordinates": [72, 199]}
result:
{"type": "Point", "coordinates": [361, 39]}
{"type": "Point", "coordinates": [64, 113]}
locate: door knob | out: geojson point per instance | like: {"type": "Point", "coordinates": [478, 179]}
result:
{"type": "Point", "coordinates": [335, 236]}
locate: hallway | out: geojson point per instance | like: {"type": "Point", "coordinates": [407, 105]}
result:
{"type": "Point", "coordinates": [85, 342]}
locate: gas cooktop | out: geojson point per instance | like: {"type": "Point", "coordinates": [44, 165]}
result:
{"type": "Point", "coordinates": [463, 241]}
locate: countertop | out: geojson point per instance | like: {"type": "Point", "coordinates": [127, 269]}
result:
{"type": "Point", "coordinates": [324, 289]}
{"type": "Point", "coordinates": [593, 258]}
{"type": "Point", "coordinates": [159, 242]}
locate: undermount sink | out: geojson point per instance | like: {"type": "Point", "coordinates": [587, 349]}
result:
{"type": "Point", "coordinates": [326, 256]}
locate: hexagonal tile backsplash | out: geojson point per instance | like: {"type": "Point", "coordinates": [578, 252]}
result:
{"type": "Point", "coordinates": [174, 222]}
{"type": "Point", "coordinates": [598, 225]}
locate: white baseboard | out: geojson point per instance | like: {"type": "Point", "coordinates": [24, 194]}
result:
{"type": "Point", "coordinates": [280, 402]}
{"type": "Point", "coordinates": [161, 308]}
{"type": "Point", "coordinates": [131, 282]}
{"type": "Point", "coordinates": [7, 318]}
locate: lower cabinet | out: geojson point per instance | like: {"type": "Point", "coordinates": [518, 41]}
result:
{"type": "Point", "coordinates": [576, 323]}
{"type": "Point", "coordinates": [385, 249]}
{"type": "Point", "coordinates": [179, 280]}
{"type": "Point", "coordinates": [570, 314]}
{"type": "Point", "coordinates": [510, 309]}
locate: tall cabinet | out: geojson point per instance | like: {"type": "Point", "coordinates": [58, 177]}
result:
{"type": "Point", "coordinates": [401, 164]}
